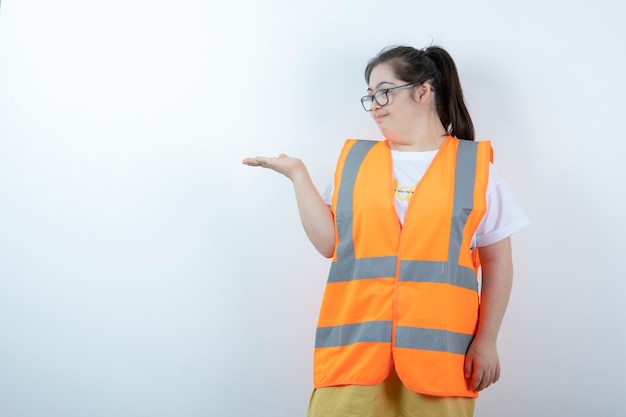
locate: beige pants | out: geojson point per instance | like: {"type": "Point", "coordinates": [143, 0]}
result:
{"type": "Point", "coordinates": [387, 399]}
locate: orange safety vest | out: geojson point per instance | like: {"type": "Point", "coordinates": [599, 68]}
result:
{"type": "Point", "coordinates": [403, 295]}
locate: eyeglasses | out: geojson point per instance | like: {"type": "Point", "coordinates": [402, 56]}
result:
{"type": "Point", "coordinates": [381, 97]}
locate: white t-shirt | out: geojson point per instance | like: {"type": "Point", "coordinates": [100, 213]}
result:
{"type": "Point", "coordinates": [504, 215]}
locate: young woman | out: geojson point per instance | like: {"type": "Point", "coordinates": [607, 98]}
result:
{"type": "Point", "coordinates": [413, 223]}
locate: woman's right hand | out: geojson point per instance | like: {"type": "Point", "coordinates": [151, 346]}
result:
{"type": "Point", "coordinates": [283, 164]}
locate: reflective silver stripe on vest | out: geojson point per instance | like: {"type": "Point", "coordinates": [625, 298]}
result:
{"type": "Point", "coordinates": [464, 183]}
{"type": "Point", "coordinates": [431, 339]}
{"type": "Point", "coordinates": [451, 272]}
{"type": "Point", "coordinates": [353, 269]}
{"type": "Point", "coordinates": [442, 272]}
{"type": "Point", "coordinates": [349, 334]}
{"type": "Point", "coordinates": [347, 268]}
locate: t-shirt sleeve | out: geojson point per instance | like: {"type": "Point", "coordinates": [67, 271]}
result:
{"type": "Point", "coordinates": [327, 195]}
{"type": "Point", "coordinates": [504, 215]}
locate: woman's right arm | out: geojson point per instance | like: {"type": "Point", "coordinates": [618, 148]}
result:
{"type": "Point", "coordinates": [316, 217]}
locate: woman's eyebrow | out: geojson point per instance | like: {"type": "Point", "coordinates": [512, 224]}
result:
{"type": "Point", "coordinates": [379, 84]}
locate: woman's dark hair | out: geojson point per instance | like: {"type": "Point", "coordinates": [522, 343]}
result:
{"type": "Point", "coordinates": [435, 66]}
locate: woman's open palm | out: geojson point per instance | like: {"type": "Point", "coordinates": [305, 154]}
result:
{"type": "Point", "coordinates": [283, 164]}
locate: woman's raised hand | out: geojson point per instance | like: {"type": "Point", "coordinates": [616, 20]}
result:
{"type": "Point", "coordinates": [283, 164]}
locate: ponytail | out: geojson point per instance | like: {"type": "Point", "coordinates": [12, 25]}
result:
{"type": "Point", "coordinates": [436, 66]}
{"type": "Point", "coordinates": [450, 104]}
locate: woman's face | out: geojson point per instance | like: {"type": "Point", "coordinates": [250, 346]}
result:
{"type": "Point", "coordinates": [397, 118]}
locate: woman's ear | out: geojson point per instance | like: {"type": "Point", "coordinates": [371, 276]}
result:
{"type": "Point", "coordinates": [423, 92]}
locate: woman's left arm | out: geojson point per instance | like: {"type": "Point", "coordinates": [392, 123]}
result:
{"type": "Point", "coordinates": [482, 365]}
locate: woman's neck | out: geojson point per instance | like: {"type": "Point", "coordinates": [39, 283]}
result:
{"type": "Point", "coordinates": [424, 139]}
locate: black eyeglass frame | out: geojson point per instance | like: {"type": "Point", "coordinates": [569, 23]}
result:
{"type": "Point", "coordinates": [384, 92]}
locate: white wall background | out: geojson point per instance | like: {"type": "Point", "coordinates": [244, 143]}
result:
{"type": "Point", "coordinates": [145, 272]}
